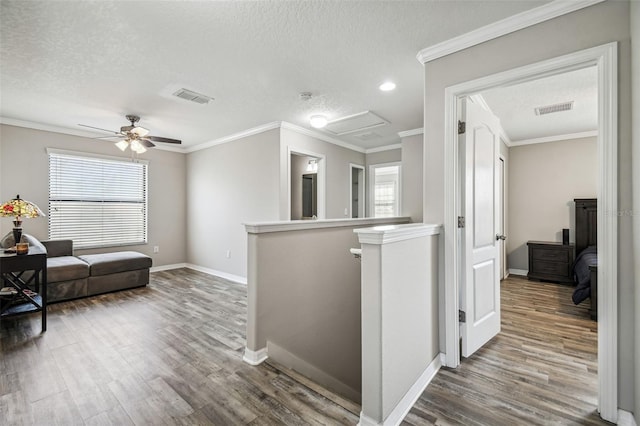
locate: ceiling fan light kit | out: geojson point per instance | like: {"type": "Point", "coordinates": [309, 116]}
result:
{"type": "Point", "coordinates": [135, 137]}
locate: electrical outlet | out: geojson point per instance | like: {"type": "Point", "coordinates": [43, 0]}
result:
{"type": "Point", "coordinates": [156, 249]}
{"type": "Point", "coordinates": [228, 254]}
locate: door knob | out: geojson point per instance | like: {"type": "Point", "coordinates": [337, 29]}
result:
{"type": "Point", "coordinates": [501, 237]}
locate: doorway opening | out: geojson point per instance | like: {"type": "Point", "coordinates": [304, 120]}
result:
{"type": "Point", "coordinates": [306, 185]}
{"type": "Point", "coordinates": [605, 59]}
{"type": "Point", "coordinates": [357, 191]}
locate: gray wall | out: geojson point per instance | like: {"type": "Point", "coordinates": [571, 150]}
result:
{"type": "Point", "coordinates": [24, 170]}
{"type": "Point", "coordinates": [228, 185]}
{"type": "Point", "coordinates": [635, 68]}
{"type": "Point", "coordinates": [337, 171]}
{"type": "Point", "coordinates": [389, 156]}
{"type": "Point", "coordinates": [412, 177]}
{"type": "Point", "coordinates": [543, 180]}
{"type": "Point", "coordinates": [607, 22]}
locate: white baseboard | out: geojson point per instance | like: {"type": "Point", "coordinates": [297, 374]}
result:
{"type": "Point", "coordinates": [522, 272]}
{"type": "Point", "coordinates": [409, 399]}
{"type": "Point", "coordinates": [235, 278]}
{"type": "Point", "coordinates": [625, 418]}
{"type": "Point", "coordinates": [167, 267]}
{"type": "Point", "coordinates": [255, 357]}
{"type": "Point", "coordinates": [227, 276]}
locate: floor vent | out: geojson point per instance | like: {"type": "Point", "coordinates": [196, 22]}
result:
{"type": "Point", "coordinates": [550, 109]}
{"type": "Point", "coordinates": [192, 96]}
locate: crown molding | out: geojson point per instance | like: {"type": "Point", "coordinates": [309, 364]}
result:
{"type": "Point", "coordinates": [505, 26]}
{"type": "Point", "coordinates": [235, 136]}
{"type": "Point", "coordinates": [321, 136]}
{"type": "Point", "coordinates": [413, 132]}
{"type": "Point", "coordinates": [67, 131]}
{"type": "Point", "coordinates": [383, 148]}
{"type": "Point", "coordinates": [580, 135]}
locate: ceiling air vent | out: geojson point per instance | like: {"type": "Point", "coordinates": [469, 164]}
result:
{"type": "Point", "coordinates": [192, 96]}
{"type": "Point", "coordinates": [367, 136]}
{"type": "Point", "coordinates": [550, 109]}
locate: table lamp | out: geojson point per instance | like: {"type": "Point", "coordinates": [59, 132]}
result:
{"type": "Point", "coordinates": [18, 209]}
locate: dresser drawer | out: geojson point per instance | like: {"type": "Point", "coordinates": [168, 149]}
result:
{"type": "Point", "coordinates": [550, 254]}
{"type": "Point", "coordinates": [550, 268]}
{"type": "Point", "coordinates": [551, 261]}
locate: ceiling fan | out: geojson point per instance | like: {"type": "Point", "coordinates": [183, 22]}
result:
{"type": "Point", "coordinates": [134, 136]}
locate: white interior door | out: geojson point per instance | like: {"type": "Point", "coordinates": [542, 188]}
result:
{"type": "Point", "coordinates": [480, 277]}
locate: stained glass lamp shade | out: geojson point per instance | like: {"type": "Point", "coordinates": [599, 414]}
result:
{"type": "Point", "coordinates": [19, 209]}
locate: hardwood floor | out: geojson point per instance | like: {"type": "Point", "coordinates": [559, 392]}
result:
{"type": "Point", "coordinates": [540, 370]}
{"type": "Point", "coordinates": [171, 353]}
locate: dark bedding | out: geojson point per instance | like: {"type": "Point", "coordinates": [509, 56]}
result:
{"type": "Point", "coordinates": [582, 275]}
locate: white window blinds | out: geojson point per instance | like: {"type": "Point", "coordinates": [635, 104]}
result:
{"type": "Point", "coordinates": [97, 202]}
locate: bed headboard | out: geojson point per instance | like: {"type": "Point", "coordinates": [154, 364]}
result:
{"type": "Point", "coordinates": [586, 223]}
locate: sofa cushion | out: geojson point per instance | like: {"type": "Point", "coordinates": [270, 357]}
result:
{"type": "Point", "coordinates": [111, 263]}
{"type": "Point", "coordinates": [65, 268]}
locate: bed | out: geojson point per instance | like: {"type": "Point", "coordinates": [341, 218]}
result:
{"type": "Point", "coordinates": [585, 267]}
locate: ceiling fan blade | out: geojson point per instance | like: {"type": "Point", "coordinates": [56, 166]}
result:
{"type": "Point", "coordinates": [98, 128]}
{"type": "Point", "coordinates": [146, 143]}
{"type": "Point", "coordinates": [160, 139]}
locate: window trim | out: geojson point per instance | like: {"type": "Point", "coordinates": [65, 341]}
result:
{"type": "Point", "coordinates": [57, 151]}
{"type": "Point", "coordinates": [372, 186]}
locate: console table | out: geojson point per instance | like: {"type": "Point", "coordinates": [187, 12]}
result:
{"type": "Point", "coordinates": [12, 271]}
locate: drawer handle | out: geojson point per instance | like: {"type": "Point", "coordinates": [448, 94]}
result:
{"type": "Point", "coordinates": [501, 237]}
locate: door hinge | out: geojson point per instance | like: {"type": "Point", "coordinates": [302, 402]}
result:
{"type": "Point", "coordinates": [462, 127]}
{"type": "Point", "coordinates": [460, 221]}
{"type": "Point", "coordinates": [462, 316]}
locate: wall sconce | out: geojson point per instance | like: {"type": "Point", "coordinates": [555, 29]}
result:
{"type": "Point", "coordinates": [312, 166]}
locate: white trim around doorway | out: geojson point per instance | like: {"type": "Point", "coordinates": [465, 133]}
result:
{"type": "Point", "coordinates": [605, 59]}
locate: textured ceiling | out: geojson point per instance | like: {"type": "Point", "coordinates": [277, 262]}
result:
{"type": "Point", "coordinates": [68, 62]}
{"type": "Point", "coordinates": [515, 105]}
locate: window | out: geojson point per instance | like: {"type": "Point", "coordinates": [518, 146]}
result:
{"type": "Point", "coordinates": [386, 190]}
{"type": "Point", "coordinates": [97, 201]}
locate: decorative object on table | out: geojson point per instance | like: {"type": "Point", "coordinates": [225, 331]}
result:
{"type": "Point", "coordinates": [565, 236]}
{"type": "Point", "coordinates": [22, 248]}
{"type": "Point", "coordinates": [19, 209]}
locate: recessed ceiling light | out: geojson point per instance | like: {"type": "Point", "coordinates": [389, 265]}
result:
{"type": "Point", "coordinates": [387, 86]}
{"type": "Point", "coordinates": [318, 121]}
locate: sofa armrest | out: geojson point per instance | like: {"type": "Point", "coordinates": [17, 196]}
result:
{"type": "Point", "coordinates": [57, 248]}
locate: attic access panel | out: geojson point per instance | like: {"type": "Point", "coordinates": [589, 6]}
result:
{"type": "Point", "coordinates": [355, 123]}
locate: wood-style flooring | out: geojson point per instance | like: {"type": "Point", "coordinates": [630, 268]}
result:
{"type": "Point", "coordinates": [171, 354]}
{"type": "Point", "coordinates": [540, 370]}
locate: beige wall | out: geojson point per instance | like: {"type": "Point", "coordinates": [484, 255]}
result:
{"type": "Point", "coordinates": [607, 21]}
{"type": "Point", "coordinates": [412, 177]}
{"type": "Point", "coordinates": [337, 171]}
{"type": "Point", "coordinates": [543, 181]}
{"type": "Point", "coordinates": [635, 68]}
{"type": "Point", "coordinates": [228, 185]}
{"type": "Point", "coordinates": [24, 170]}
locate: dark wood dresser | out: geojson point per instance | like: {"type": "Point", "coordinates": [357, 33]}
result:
{"type": "Point", "coordinates": [551, 261]}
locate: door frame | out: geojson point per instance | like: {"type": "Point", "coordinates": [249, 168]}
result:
{"type": "Point", "coordinates": [504, 271]}
{"type": "Point", "coordinates": [362, 203]}
{"type": "Point", "coordinates": [322, 180]}
{"type": "Point", "coordinates": [605, 58]}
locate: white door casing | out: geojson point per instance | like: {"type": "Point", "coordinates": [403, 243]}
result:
{"type": "Point", "coordinates": [480, 277]}
{"type": "Point", "coordinates": [605, 58]}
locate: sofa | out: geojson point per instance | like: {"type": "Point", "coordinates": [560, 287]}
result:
{"type": "Point", "coordinates": [71, 277]}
